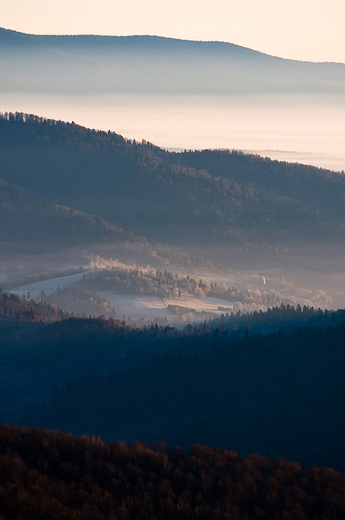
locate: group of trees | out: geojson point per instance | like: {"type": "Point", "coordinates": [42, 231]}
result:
{"type": "Point", "coordinates": [169, 285]}
{"type": "Point", "coordinates": [54, 475]}
{"type": "Point", "coordinates": [79, 302]}
{"type": "Point", "coordinates": [29, 219]}
{"type": "Point", "coordinates": [19, 308]}
{"type": "Point", "coordinates": [136, 281]}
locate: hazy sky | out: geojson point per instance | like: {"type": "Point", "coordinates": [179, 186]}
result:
{"type": "Point", "coordinates": [299, 29]}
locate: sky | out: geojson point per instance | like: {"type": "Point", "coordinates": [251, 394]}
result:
{"type": "Point", "coordinates": [308, 30]}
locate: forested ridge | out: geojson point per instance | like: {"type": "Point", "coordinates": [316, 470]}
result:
{"type": "Point", "coordinates": [26, 218]}
{"type": "Point", "coordinates": [219, 390]}
{"type": "Point", "coordinates": [218, 197]}
{"type": "Point", "coordinates": [28, 221]}
{"type": "Point", "coordinates": [54, 475]}
{"type": "Point", "coordinates": [223, 382]}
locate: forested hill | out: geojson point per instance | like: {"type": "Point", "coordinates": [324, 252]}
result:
{"type": "Point", "coordinates": [26, 218]}
{"type": "Point", "coordinates": [29, 224]}
{"type": "Point", "coordinates": [57, 476]}
{"type": "Point", "coordinates": [211, 197]}
{"type": "Point", "coordinates": [153, 65]}
{"type": "Point", "coordinates": [268, 383]}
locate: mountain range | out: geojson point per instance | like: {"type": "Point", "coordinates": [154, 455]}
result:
{"type": "Point", "coordinates": [154, 65]}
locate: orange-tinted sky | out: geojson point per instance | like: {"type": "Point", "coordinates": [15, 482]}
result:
{"type": "Point", "coordinates": [298, 29]}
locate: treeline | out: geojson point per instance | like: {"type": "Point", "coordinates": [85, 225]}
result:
{"type": "Point", "coordinates": [79, 302]}
{"type": "Point", "coordinates": [285, 316]}
{"type": "Point", "coordinates": [18, 308]}
{"type": "Point", "coordinates": [150, 282]}
{"type": "Point", "coordinates": [169, 285]}
{"type": "Point", "coordinates": [54, 475]}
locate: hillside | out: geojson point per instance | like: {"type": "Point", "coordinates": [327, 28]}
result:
{"type": "Point", "coordinates": [29, 225]}
{"type": "Point", "coordinates": [54, 475]}
{"type": "Point", "coordinates": [24, 217]}
{"type": "Point", "coordinates": [267, 382]}
{"type": "Point", "coordinates": [19, 309]}
{"type": "Point", "coordinates": [208, 198]}
{"type": "Point", "coordinates": [153, 65]}
{"type": "Point", "coordinates": [218, 389]}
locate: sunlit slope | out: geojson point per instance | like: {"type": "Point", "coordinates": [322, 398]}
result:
{"type": "Point", "coordinates": [218, 197]}
{"type": "Point", "coordinates": [153, 65]}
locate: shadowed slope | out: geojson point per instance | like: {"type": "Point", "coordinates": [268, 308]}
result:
{"type": "Point", "coordinates": [209, 197]}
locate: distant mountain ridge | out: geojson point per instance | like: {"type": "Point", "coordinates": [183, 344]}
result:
{"type": "Point", "coordinates": [9, 37]}
{"type": "Point", "coordinates": [153, 65]}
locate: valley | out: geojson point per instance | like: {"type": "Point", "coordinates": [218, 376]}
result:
{"type": "Point", "coordinates": [172, 264]}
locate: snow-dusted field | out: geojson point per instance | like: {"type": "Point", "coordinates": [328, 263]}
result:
{"type": "Point", "coordinates": [48, 286]}
{"type": "Point", "coordinates": [310, 288]}
{"type": "Point", "coordinates": [136, 306]}
{"type": "Point", "coordinates": [152, 307]}
{"type": "Point", "coordinates": [206, 305]}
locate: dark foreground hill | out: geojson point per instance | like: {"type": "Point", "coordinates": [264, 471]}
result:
{"type": "Point", "coordinates": [208, 198]}
{"type": "Point", "coordinates": [54, 475]}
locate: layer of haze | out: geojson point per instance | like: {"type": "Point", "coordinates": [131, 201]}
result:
{"type": "Point", "coordinates": [309, 30]}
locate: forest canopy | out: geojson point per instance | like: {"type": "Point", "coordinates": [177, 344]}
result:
{"type": "Point", "coordinates": [54, 475]}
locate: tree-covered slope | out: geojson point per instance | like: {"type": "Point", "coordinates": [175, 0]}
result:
{"type": "Point", "coordinates": [54, 475]}
{"type": "Point", "coordinates": [212, 197]}
{"type": "Point", "coordinates": [239, 382]}
{"type": "Point", "coordinates": [29, 225]}
{"type": "Point", "coordinates": [24, 217]}
{"type": "Point", "coordinates": [280, 394]}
